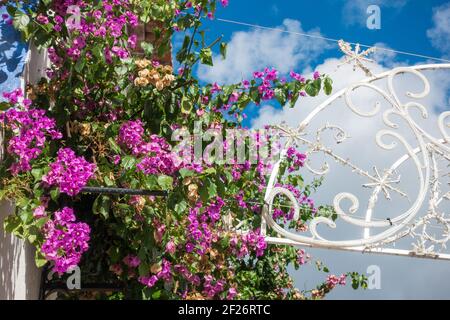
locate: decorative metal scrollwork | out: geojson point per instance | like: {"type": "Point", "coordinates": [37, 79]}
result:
{"type": "Point", "coordinates": [422, 150]}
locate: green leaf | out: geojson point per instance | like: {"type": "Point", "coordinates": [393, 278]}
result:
{"type": "Point", "coordinates": [328, 86]}
{"type": "Point", "coordinates": [165, 182]}
{"type": "Point", "coordinates": [294, 99]}
{"type": "Point", "coordinates": [186, 173]}
{"type": "Point", "coordinates": [206, 56]}
{"type": "Point", "coordinates": [79, 66]}
{"type": "Point", "coordinates": [20, 20]}
{"type": "Point", "coordinates": [32, 238]}
{"type": "Point", "coordinates": [147, 47]}
{"type": "Point", "coordinates": [311, 89]}
{"type": "Point", "coordinates": [4, 106]}
{"type": "Point", "coordinates": [121, 70]}
{"type": "Point", "coordinates": [150, 182]}
{"type": "Point", "coordinates": [26, 216]}
{"type": "Point", "coordinates": [54, 194]}
{"type": "Point", "coordinates": [182, 53]}
{"type": "Point", "coordinates": [181, 206]}
{"type": "Point", "coordinates": [143, 269]}
{"type": "Point", "coordinates": [11, 223]}
{"type": "Point", "coordinates": [156, 295]}
{"type": "Point", "coordinates": [40, 222]}
{"type": "Point", "coordinates": [98, 52]}
{"type": "Point", "coordinates": [223, 50]}
{"type": "Point", "coordinates": [209, 171]}
{"type": "Point", "coordinates": [37, 174]}
{"type": "Point", "coordinates": [128, 162]}
{"type": "Point", "coordinates": [102, 206]}
{"type": "Point", "coordinates": [108, 181]}
{"type": "Point", "coordinates": [39, 259]}
{"type": "Point", "coordinates": [208, 190]}
{"type": "Point", "coordinates": [186, 105]}
{"type": "Point", "coordinates": [280, 96]}
{"type": "Point", "coordinates": [114, 146]}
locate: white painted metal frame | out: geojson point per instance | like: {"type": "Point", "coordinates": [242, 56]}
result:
{"type": "Point", "coordinates": [413, 222]}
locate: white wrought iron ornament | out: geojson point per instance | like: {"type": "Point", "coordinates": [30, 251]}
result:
{"type": "Point", "coordinates": [356, 56]}
{"type": "Point", "coordinates": [424, 212]}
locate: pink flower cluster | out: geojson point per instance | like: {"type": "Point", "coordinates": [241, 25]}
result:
{"type": "Point", "coordinates": [301, 198]}
{"type": "Point", "coordinates": [302, 257]}
{"type": "Point", "coordinates": [212, 287]}
{"type": "Point", "coordinates": [297, 76]}
{"type": "Point", "coordinates": [30, 129]}
{"type": "Point", "coordinates": [69, 172]}
{"type": "Point", "coordinates": [131, 137]}
{"type": "Point", "coordinates": [132, 261]}
{"type": "Point", "coordinates": [187, 6]}
{"type": "Point", "coordinates": [267, 77]}
{"type": "Point", "coordinates": [65, 240]}
{"type": "Point", "coordinates": [158, 157]}
{"type": "Point", "coordinates": [165, 274]}
{"type": "Point", "coordinates": [107, 22]}
{"type": "Point", "coordinates": [201, 229]}
{"type": "Point", "coordinates": [333, 281]}
{"type": "Point", "coordinates": [296, 158]}
{"type": "Point", "coordinates": [8, 20]}
{"type": "Point", "coordinates": [252, 241]}
{"type": "Point", "coordinates": [190, 277]}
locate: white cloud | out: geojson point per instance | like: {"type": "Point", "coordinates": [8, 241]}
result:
{"type": "Point", "coordinates": [354, 11]}
{"type": "Point", "coordinates": [440, 33]}
{"type": "Point", "coordinates": [256, 49]}
{"type": "Point", "coordinates": [387, 57]}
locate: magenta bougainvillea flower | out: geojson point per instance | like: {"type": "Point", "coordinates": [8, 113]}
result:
{"type": "Point", "coordinates": [31, 130]}
{"type": "Point", "coordinates": [69, 172]}
{"type": "Point", "coordinates": [65, 240]}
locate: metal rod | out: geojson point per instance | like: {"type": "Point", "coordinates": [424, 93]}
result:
{"type": "Point", "coordinates": [382, 251]}
{"type": "Point", "coordinates": [125, 191]}
{"type": "Point", "coordinates": [85, 287]}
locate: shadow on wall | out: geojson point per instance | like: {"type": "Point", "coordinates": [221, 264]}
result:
{"type": "Point", "coordinates": [12, 56]}
{"type": "Point", "coordinates": [19, 276]}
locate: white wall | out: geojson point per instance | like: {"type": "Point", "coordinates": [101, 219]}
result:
{"type": "Point", "coordinates": [19, 277]}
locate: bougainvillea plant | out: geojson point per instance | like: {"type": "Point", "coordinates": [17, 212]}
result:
{"type": "Point", "coordinates": [104, 116]}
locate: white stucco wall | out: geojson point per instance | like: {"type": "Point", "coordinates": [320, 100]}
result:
{"type": "Point", "coordinates": [19, 277]}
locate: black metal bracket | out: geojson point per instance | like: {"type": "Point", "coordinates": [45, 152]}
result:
{"type": "Point", "coordinates": [124, 191]}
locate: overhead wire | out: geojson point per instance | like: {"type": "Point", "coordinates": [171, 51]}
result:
{"type": "Point", "coordinates": [317, 36]}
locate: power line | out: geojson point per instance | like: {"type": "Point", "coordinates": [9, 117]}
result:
{"type": "Point", "coordinates": [315, 36]}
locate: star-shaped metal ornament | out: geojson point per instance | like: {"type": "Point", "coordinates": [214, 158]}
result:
{"type": "Point", "coordinates": [385, 183]}
{"type": "Point", "coordinates": [356, 56]}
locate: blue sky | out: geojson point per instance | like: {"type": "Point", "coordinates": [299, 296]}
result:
{"type": "Point", "coordinates": [404, 27]}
